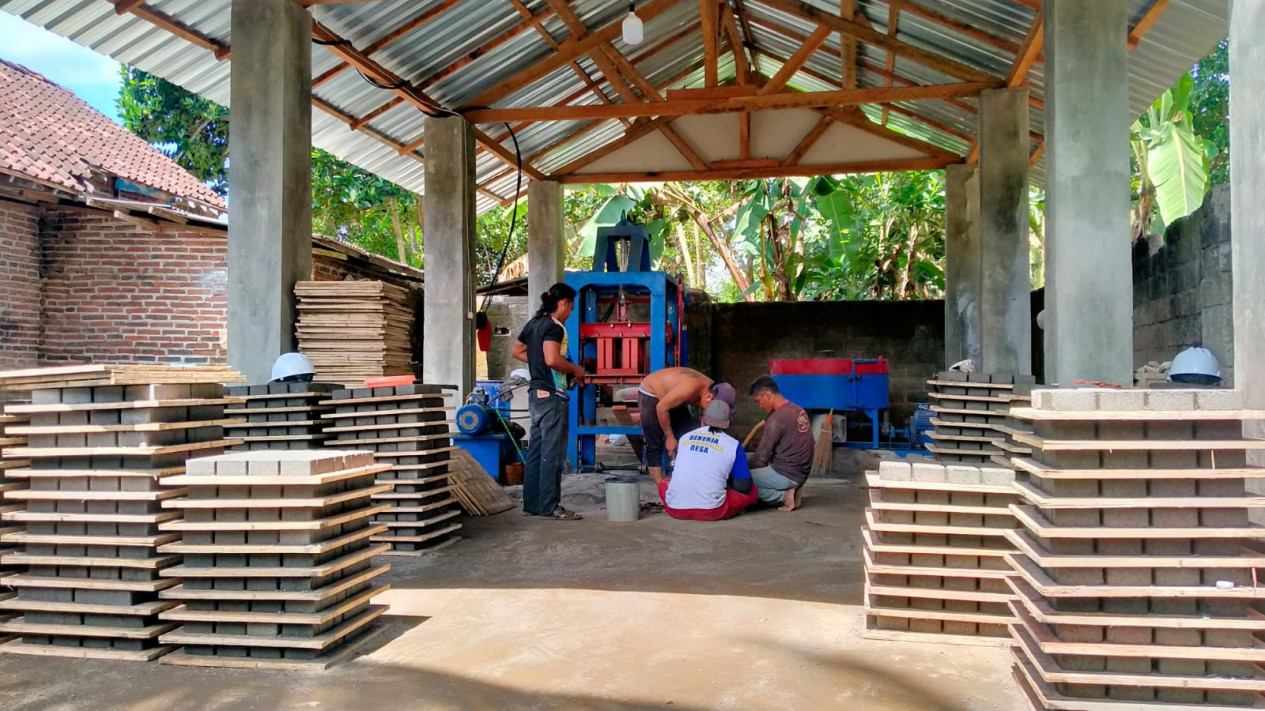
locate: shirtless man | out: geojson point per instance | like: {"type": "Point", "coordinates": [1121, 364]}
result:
{"type": "Point", "coordinates": [664, 399]}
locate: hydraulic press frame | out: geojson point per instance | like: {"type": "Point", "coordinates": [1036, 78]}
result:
{"type": "Point", "coordinates": [615, 350]}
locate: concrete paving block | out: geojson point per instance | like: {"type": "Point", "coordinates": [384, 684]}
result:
{"type": "Point", "coordinates": [961, 474]}
{"type": "Point", "coordinates": [1074, 400]}
{"type": "Point", "coordinates": [928, 472]}
{"type": "Point", "coordinates": [996, 476]}
{"type": "Point", "coordinates": [1219, 399]}
{"type": "Point", "coordinates": [1043, 399]}
{"type": "Point", "coordinates": [896, 471]}
{"type": "Point", "coordinates": [1121, 400]}
{"type": "Point", "coordinates": [1170, 400]}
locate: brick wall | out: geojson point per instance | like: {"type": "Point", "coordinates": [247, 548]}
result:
{"type": "Point", "coordinates": [20, 273]}
{"type": "Point", "coordinates": [1182, 288]}
{"type": "Point", "coordinates": [116, 292]}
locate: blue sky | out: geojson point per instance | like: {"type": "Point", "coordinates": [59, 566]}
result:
{"type": "Point", "coordinates": [93, 77]}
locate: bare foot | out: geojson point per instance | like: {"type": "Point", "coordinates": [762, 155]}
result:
{"type": "Point", "coordinates": [656, 474]}
{"type": "Point", "coordinates": [791, 502]}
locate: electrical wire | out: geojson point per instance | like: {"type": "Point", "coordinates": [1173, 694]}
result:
{"type": "Point", "coordinates": [518, 189]}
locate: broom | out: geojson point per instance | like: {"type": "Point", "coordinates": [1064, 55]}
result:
{"type": "Point", "coordinates": [824, 448]}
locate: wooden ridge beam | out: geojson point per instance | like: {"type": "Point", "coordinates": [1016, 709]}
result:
{"type": "Point", "coordinates": [870, 36]}
{"type": "Point", "coordinates": [761, 171]}
{"type": "Point", "coordinates": [741, 14]}
{"type": "Point", "coordinates": [797, 60]}
{"type": "Point", "coordinates": [782, 100]}
{"type": "Point", "coordinates": [568, 51]}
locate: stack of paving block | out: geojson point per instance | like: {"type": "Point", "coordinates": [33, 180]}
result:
{"type": "Point", "coordinates": [277, 569]}
{"type": "Point", "coordinates": [1136, 570]}
{"type": "Point", "coordinates": [970, 415]}
{"type": "Point", "coordinates": [280, 415]}
{"type": "Point", "coordinates": [406, 426]}
{"type": "Point", "coordinates": [99, 457]}
{"type": "Point", "coordinates": [352, 330]}
{"type": "Point", "coordinates": [935, 552]}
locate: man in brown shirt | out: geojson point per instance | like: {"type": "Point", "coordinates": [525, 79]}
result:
{"type": "Point", "coordinates": [780, 465]}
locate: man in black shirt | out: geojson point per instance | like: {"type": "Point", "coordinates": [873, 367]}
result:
{"type": "Point", "coordinates": [542, 344]}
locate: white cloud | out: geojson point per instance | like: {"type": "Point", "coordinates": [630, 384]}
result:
{"type": "Point", "coordinates": [93, 77]}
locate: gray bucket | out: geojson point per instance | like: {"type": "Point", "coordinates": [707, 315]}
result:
{"type": "Point", "coordinates": [623, 498]}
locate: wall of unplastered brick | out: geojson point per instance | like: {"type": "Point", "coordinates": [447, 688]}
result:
{"type": "Point", "coordinates": [1182, 287]}
{"type": "Point", "coordinates": [115, 291]}
{"type": "Point", "coordinates": [20, 275]}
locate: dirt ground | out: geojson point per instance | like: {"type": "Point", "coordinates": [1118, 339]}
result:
{"type": "Point", "coordinates": [762, 612]}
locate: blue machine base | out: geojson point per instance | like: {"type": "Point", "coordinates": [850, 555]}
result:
{"type": "Point", "coordinates": [486, 450]}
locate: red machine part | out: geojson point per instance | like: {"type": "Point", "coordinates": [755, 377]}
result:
{"type": "Point", "coordinates": [828, 366]}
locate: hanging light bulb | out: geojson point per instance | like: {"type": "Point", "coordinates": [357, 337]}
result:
{"type": "Point", "coordinates": [633, 30]}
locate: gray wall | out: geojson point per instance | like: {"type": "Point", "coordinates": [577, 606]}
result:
{"type": "Point", "coordinates": [1182, 287]}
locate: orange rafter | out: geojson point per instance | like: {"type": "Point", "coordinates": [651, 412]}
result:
{"type": "Point", "coordinates": [761, 170]}
{"type": "Point", "coordinates": [959, 27]}
{"type": "Point", "coordinates": [893, 20]}
{"type": "Point", "coordinates": [796, 61]}
{"type": "Point", "coordinates": [1144, 24]}
{"type": "Point", "coordinates": [709, 19]}
{"type": "Point", "coordinates": [389, 38]}
{"type": "Point", "coordinates": [848, 47]}
{"type": "Point", "coordinates": [184, 32]}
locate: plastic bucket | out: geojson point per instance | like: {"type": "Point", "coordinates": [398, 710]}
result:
{"type": "Point", "coordinates": [623, 498]}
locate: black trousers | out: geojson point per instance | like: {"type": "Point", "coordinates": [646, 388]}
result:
{"type": "Point", "coordinates": [546, 453]}
{"type": "Point", "coordinates": [652, 434]}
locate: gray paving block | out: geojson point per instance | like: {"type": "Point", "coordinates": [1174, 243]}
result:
{"type": "Point", "coordinates": [1170, 400]}
{"type": "Point", "coordinates": [1121, 400]}
{"type": "Point", "coordinates": [1219, 399]}
{"type": "Point", "coordinates": [895, 471]}
{"type": "Point", "coordinates": [928, 472]}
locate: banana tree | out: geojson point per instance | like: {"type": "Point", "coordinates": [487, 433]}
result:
{"type": "Point", "coordinates": [1172, 160]}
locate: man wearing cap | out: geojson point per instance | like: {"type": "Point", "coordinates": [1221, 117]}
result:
{"type": "Point", "coordinates": [663, 401]}
{"type": "Point", "coordinates": [711, 480]}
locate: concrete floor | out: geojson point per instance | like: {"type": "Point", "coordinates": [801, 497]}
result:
{"type": "Point", "coordinates": [762, 612]}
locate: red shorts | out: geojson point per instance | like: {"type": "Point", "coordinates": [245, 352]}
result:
{"type": "Point", "coordinates": [734, 504]}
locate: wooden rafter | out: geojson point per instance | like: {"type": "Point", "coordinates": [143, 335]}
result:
{"type": "Point", "coordinates": [797, 60]}
{"type": "Point", "coordinates": [816, 132]}
{"type": "Point", "coordinates": [389, 38]}
{"type": "Point", "coordinates": [568, 52]}
{"type": "Point", "coordinates": [1036, 154]}
{"type": "Point", "coordinates": [709, 20]}
{"type": "Point", "coordinates": [868, 35]}
{"type": "Point", "coordinates": [857, 119]}
{"type": "Point", "coordinates": [848, 47]}
{"type": "Point", "coordinates": [682, 107]}
{"type": "Point", "coordinates": [762, 170]}
{"type": "Point", "coordinates": [486, 47]}
{"type": "Point", "coordinates": [1018, 75]}
{"type": "Point", "coordinates": [122, 7]}
{"type": "Point", "coordinates": [637, 131]}
{"type": "Point", "coordinates": [893, 21]}
{"type": "Point", "coordinates": [744, 23]}
{"type": "Point", "coordinates": [1148, 19]}
{"type": "Point", "coordinates": [961, 28]}
{"type": "Point", "coordinates": [179, 29]}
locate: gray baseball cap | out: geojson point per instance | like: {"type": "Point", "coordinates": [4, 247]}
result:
{"type": "Point", "coordinates": [725, 393]}
{"type": "Point", "coordinates": [717, 414]}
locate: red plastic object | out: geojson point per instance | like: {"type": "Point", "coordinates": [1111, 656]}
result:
{"type": "Point", "coordinates": [827, 366]}
{"type": "Point", "coordinates": [389, 381]}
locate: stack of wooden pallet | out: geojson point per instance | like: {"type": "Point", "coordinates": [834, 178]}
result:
{"type": "Point", "coordinates": [477, 491]}
{"type": "Point", "coordinates": [1136, 571]}
{"type": "Point", "coordinates": [352, 330]}
{"type": "Point", "coordinates": [9, 440]}
{"type": "Point", "coordinates": [407, 427]}
{"type": "Point", "coordinates": [970, 414]}
{"type": "Point", "coordinates": [87, 376]}
{"type": "Point", "coordinates": [277, 570]}
{"type": "Point", "coordinates": [935, 552]}
{"type": "Point", "coordinates": [98, 459]}
{"type": "Point", "coordinates": [280, 415]}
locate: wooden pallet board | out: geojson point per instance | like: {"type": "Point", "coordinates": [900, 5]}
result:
{"type": "Point", "coordinates": [350, 647]}
{"type": "Point", "coordinates": [142, 609]}
{"type": "Point", "coordinates": [1036, 468]}
{"type": "Point", "coordinates": [874, 481]}
{"type": "Point", "coordinates": [274, 548]}
{"type": "Point", "coordinates": [277, 480]}
{"type": "Point", "coordinates": [277, 503]}
{"type": "Point", "coordinates": [183, 614]}
{"type": "Point", "coordinates": [1048, 587]}
{"type": "Point", "coordinates": [1139, 445]}
{"type": "Point", "coordinates": [64, 408]}
{"type": "Point", "coordinates": [1045, 502]}
{"type": "Point", "coordinates": [17, 646]}
{"type": "Point", "coordinates": [104, 429]}
{"type": "Point", "coordinates": [880, 526]}
{"type": "Point", "coordinates": [157, 451]}
{"type": "Point", "coordinates": [1031, 518]}
{"type": "Point", "coordinates": [317, 525]}
{"type": "Point", "coordinates": [1042, 611]}
{"type": "Point", "coordinates": [1035, 415]}
{"type": "Point", "coordinates": [334, 566]}
{"type": "Point", "coordinates": [933, 638]}
{"type": "Point", "coordinates": [329, 592]}
{"type": "Point", "coordinates": [1025, 543]}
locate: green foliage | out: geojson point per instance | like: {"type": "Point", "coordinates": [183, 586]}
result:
{"type": "Point", "coordinates": [492, 230]}
{"type": "Point", "coordinates": [190, 130]}
{"type": "Point", "coordinates": [1170, 154]}
{"type": "Point", "coordinates": [360, 207]}
{"type": "Point", "coordinates": [1210, 107]}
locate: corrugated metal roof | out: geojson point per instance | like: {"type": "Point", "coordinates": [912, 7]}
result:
{"type": "Point", "coordinates": [1186, 30]}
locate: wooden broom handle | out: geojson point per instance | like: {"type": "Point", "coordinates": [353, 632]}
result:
{"type": "Point", "coordinates": [751, 434]}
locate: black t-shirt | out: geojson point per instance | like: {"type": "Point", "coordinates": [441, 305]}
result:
{"type": "Point", "coordinates": [534, 334]}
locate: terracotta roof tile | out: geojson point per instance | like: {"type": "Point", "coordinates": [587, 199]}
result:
{"type": "Point", "coordinates": [50, 134]}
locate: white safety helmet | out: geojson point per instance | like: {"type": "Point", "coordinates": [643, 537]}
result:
{"type": "Point", "coordinates": [1196, 366]}
{"type": "Point", "coordinates": [292, 367]}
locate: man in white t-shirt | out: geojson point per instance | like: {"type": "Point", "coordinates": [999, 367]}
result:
{"type": "Point", "coordinates": [711, 480]}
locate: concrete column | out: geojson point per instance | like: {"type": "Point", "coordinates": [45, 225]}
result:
{"type": "Point", "coordinates": [270, 230]}
{"type": "Point", "coordinates": [961, 264]}
{"type": "Point", "coordinates": [1089, 275]}
{"type": "Point", "coordinates": [1247, 216]}
{"type": "Point", "coordinates": [448, 349]}
{"type": "Point", "coordinates": [1005, 298]}
{"type": "Point", "coordinates": [546, 244]}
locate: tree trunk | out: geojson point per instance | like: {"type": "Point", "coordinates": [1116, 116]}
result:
{"type": "Point", "coordinates": [726, 255]}
{"type": "Point", "coordinates": [684, 246]}
{"type": "Point", "coordinates": [399, 233]}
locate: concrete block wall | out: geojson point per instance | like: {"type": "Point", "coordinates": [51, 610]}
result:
{"type": "Point", "coordinates": [1182, 287]}
{"type": "Point", "coordinates": [20, 274]}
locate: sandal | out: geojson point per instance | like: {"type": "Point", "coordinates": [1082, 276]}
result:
{"type": "Point", "coordinates": [561, 514]}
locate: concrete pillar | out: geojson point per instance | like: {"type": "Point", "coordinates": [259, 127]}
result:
{"type": "Point", "coordinates": [961, 264]}
{"type": "Point", "coordinates": [546, 244]}
{"type": "Point", "coordinates": [1247, 217]}
{"type": "Point", "coordinates": [448, 348]}
{"type": "Point", "coordinates": [1005, 297]}
{"type": "Point", "coordinates": [270, 229]}
{"type": "Point", "coordinates": [1089, 275]}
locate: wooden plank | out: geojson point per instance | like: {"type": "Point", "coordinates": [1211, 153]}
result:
{"type": "Point", "coordinates": [126, 541]}
{"type": "Point", "coordinates": [880, 505]}
{"type": "Point", "coordinates": [1047, 587]}
{"type": "Point", "coordinates": [384, 413]}
{"type": "Point", "coordinates": [333, 566]}
{"type": "Point", "coordinates": [969, 385]}
{"type": "Point", "coordinates": [182, 614]}
{"type": "Point", "coordinates": [391, 426]}
{"type": "Point", "coordinates": [1038, 469]}
{"type": "Point", "coordinates": [328, 592]}
{"type": "Point", "coordinates": [934, 572]}
{"type": "Point", "coordinates": [320, 641]}
{"type": "Point", "coordinates": [1045, 502]}
{"type": "Point", "coordinates": [62, 408]}
{"type": "Point", "coordinates": [273, 548]}
{"type": "Point", "coordinates": [427, 551]}
{"type": "Point", "coordinates": [974, 551]}
{"type": "Point", "coordinates": [54, 517]}
{"type": "Point", "coordinates": [273, 525]}
{"type": "Point", "coordinates": [165, 474]}
{"type": "Point", "coordinates": [935, 638]}
{"type": "Point", "coordinates": [1139, 445]}
{"type": "Point", "coordinates": [385, 399]}
{"type": "Point", "coordinates": [1024, 543]}
{"type": "Point", "coordinates": [937, 594]}
{"type": "Point", "coordinates": [17, 646]}
{"type": "Point", "coordinates": [142, 609]}
{"type": "Point", "coordinates": [1041, 610]}
{"type": "Point", "coordinates": [88, 561]}
{"type": "Point", "coordinates": [1031, 414]}
{"type": "Point", "coordinates": [100, 429]}
{"type": "Point", "coordinates": [422, 538]}
{"type": "Point", "coordinates": [158, 451]}
{"type": "Point", "coordinates": [874, 481]}
{"type": "Point", "coordinates": [970, 398]}
{"type": "Point", "coordinates": [23, 580]}
{"type": "Point", "coordinates": [70, 495]}
{"type": "Point", "coordinates": [349, 647]}
{"type": "Point", "coordinates": [278, 503]}
{"type": "Point", "coordinates": [910, 613]}
{"type": "Point", "coordinates": [280, 480]}
{"type": "Point", "coordinates": [36, 630]}
{"type": "Point", "coordinates": [1034, 521]}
